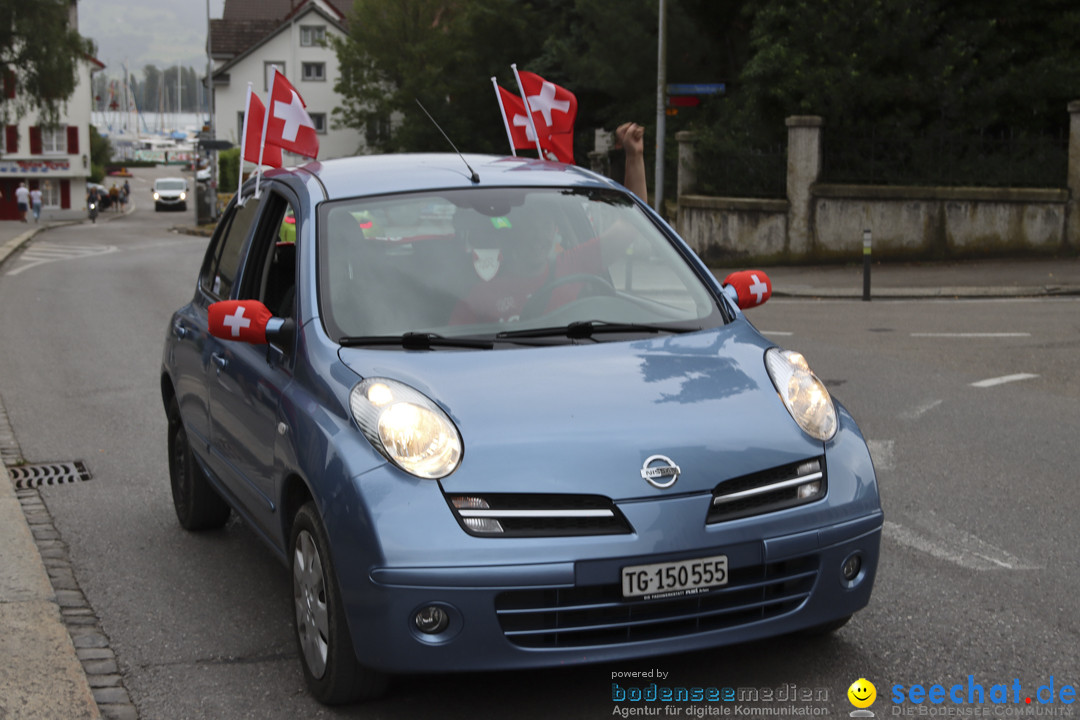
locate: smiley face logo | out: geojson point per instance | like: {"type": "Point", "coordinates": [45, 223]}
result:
{"type": "Point", "coordinates": [862, 693]}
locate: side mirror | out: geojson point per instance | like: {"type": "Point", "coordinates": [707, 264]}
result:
{"type": "Point", "coordinates": [249, 321]}
{"type": "Point", "coordinates": [749, 288]}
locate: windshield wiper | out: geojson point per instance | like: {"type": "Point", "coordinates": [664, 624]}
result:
{"type": "Point", "coordinates": [588, 328]}
{"type": "Point", "coordinates": [416, 341]}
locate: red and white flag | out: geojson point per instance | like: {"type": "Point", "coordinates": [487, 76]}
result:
{"type": "Point", "coordinates": [518, 131]}
{"type": "Point", "coordinates": [253, 124]}
{"type": "Point", "coordinates": [288, 125]}
{"type": "Point", "coordinates": [553, 110]}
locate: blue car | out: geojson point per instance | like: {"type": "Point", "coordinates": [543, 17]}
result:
{"type": "Point", "coordinates": [494, 413]}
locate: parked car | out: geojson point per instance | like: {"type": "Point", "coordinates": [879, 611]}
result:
{"type": "Point", "coordinates": [505, 419]}
{"type": "Point", "coordinates": [171, 193]}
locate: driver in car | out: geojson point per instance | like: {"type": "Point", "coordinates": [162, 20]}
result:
{"type": "Point", "coordinates": [532, 257]}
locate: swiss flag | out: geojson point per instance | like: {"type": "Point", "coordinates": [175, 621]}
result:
{"type": "Point", "coordinates": [554, 108]}
{"type": "Point", "coordinates": [289, 125]}
{"type": "Point", "coordinates": [516, 120]}
{"type": "Point", "coordinates": [243, 320]}
{"type": "Point", "coordinates": [752, 286]}
{"type": "Point", "coordinates": [253, 126]}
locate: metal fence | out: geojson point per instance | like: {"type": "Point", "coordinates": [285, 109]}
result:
{"type": "Point", "coordinates": [1003, 159]}
{"type": "Point", "coordinates": [749, 174]}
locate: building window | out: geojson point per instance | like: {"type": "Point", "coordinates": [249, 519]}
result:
{"type": "Point", "coordinates": [268, 72]}
{"type": "Point", "coordinates": [50, 195]}
{"type": "Point", "coordinates": [53, 141]}
{"type": "Point", "coordinates": [312, 35]}
{"type": "Point", "coordinates": [319, 120]}
{"type": "Point", "coordinates": [314, 71]}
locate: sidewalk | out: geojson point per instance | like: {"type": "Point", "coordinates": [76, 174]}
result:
{"type": "Point", "coordinates": [41, 676]}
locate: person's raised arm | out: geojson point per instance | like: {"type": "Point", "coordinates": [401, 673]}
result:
{"type": "Point", "coordinates": [631, 137]}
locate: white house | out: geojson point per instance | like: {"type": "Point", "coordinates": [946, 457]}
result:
{"type": "Point", "coordinates": [54, 159]}
{"type": "Point", "coordinates": [252, 37]}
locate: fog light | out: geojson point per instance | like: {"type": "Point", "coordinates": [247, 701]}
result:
{"type": "Point", "coordinates": [432, 620]}
{"type": "Point", "coordinates": [851, 567]}
{"type": "Point", "coordinates": [809, 490]}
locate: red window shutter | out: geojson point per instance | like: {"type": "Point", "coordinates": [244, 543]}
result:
{"type": "Point", "coordinates": [12, 139]}
{"type": "Point", "coordinates": [73, 140]}
{"type": "Point", "coordinates": [65, 194]}
{"type": "Point", "coordinates": [9, 84]}
{"type": "Point", "coordinates": [35, 140]}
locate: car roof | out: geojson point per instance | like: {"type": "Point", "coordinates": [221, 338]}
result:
{"type": "Point", "coordinates": [167, 179]}
{"type": "Point", "coordinates": [408, 172]}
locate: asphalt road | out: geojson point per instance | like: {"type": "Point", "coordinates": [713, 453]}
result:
{"type": "Point", "coordinates": [971, 409]}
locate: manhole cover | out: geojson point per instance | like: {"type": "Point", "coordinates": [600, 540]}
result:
{"type": "Point", "coordinates": [26, 477]}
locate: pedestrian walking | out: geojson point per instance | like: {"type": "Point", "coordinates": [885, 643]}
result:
{"type": "Point", "coordinates": [114, 197]}
{"type": "Point", "coordinates": [22, 197]}
{"type": "Point", "coordinates": [35, 203]}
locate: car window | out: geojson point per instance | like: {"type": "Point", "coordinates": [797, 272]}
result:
{"type": "Point", "coordinates": [467, 262]}
{"type": "Point", "coordinates": [272, 274]}
{"type": "Point", "coordinates": [223, 262]}
{"type": "Point", "coordinates": [170, 185]}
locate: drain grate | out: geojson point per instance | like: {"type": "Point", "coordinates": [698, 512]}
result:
{"type": "Point", "coordinates": [26, 477]}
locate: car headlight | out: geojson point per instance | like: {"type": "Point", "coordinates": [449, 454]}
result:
{"type": "Point", "coordinates": [407, 427]}
{"type": "Point", "coordinates": [183, 196]}
{"type": "Point", "coordinates": [803, 394]}
{"type": "Point", "coordinates": [156, 196]}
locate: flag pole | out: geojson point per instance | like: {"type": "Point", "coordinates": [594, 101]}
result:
{"type": "Point", "coordinates": [528, 110]}
{"type": "Point", "coordinates": [502, 109]}
{"type": "Point", "coordinates": [243, 148]}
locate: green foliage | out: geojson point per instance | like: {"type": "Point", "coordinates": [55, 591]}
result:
{"type": "Point", "coordinates": [228, 167]}
{"type": "Point", "coordinates": [41, 53]}
{"type": "Point", "coordinates": [100, 154]}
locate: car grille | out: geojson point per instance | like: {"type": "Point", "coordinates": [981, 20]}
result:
{"type": "Point", "coordinates": [537, 515]}
{"type": "Point", "coordinates": [598, 615]}
{"type": "Point", "coordinates": [768, 491]}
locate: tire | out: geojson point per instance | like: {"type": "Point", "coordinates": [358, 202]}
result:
{"type": "Point", "coordinates": [333, 674]}
{"type": "Point", "coordinates": [197, 504]}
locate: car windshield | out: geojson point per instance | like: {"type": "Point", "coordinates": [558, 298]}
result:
{"type": "Point", "coordinates": [170, 185]}
{"type": "Point", "coordinates": [485, 262]}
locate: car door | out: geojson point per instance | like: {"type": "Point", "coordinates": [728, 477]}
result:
{"type": "Point", "coordinates": [246, 382]}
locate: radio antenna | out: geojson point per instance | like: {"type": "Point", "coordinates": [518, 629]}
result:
{"type": "Point", "coordinates": [473, 176]}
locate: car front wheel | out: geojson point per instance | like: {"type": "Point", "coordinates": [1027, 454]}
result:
{"type": "Point", "coordinates": [333, 674]}
{"type": "Point", "coordinates": [197, 504]}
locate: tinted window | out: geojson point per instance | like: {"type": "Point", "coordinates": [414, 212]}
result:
{"type": "Point", "coordinates": [468, 262]}
{"type": "Point", "coordinates": [220, 273]}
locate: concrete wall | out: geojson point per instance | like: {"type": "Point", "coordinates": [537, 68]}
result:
{"type": "Point", "coordinates": [826, 222]}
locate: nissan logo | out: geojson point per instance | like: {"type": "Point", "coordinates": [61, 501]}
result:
{"type": "Point", "coordinates": [659, 471]}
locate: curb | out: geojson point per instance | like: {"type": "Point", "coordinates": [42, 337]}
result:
{"type": "Point", "coordinates": [929, 293]}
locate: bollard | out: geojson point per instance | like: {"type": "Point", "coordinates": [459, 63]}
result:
{"type": "Point", "coordinates": [866, 236]}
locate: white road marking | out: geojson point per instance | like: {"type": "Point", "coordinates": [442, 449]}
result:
{"type": "Point", "coordinates": [972, 335]}
{"type": "Point", "coordinates": [42, 253]}
{"type": "Point", "coordinates": [777, 332]}
{"type": "Point", "coordinates": [916, 413]}
{"type": "Point", "coordinates": [946, 542]}
{"type": "Point", "coordinates": [990, 382]}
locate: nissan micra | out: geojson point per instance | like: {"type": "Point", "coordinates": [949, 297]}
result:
{"type": "Point", "coordinates": [494, 413]}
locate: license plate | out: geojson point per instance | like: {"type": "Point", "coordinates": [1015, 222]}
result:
{"type": "Point", "coordinates": [671, 579]}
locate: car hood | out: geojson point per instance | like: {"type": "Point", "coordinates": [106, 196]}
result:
{"type": "Point", "coordinates": [585, 418]}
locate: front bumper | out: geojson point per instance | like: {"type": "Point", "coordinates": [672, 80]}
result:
{"type": "Point", "coordinates": [544, 614]}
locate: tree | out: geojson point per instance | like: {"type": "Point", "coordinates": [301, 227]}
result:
{"type": "Point", "coordinates": [40, 54]}
{"type": "Point", "coordinates": [100, 154]}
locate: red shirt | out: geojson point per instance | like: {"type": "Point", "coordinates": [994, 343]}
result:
{"type": "Point", "coordinates": [502, 298]}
